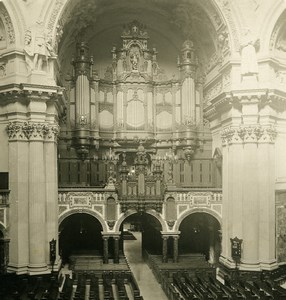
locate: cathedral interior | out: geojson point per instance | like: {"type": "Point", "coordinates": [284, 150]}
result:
{"type": "Point", "coordinates": [142, 149]}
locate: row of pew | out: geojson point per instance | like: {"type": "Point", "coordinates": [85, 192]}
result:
{"type": "Point", "coordinates": [107, 285]}
{"type": "Point", "coordinates": [186, 285]}
{"type": "Point", "coordinates": [13, 287]}
{"type": "Point", "coordinates": [94, 286]}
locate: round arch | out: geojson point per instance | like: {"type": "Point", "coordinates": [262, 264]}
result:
{"type": "Point", "coordinates": [57, 14]}
{"type": "Point", "coordinates": [270, 26]}
{"type": "Point", "coordinates": [133, 211]}
{"type": "Point", "coordinates": [15, 23]}
{"type": "Point", "coordinates": [86, 211]}
{"type": "Point", "coordinates": [197, 210]}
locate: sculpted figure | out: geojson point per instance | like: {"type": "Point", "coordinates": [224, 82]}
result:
{"type": "Point", "coordinates": [38, 51]}
{"type": "Point", "coordinates": [134, 61]}
{"type": "Point", "coordinates": [29, 53]}
{"type": "Point", "coordinates": [248, 54]}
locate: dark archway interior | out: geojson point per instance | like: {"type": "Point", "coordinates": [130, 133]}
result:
{"type": "Point", "coordinates": [150, 228]}
{"type": "Point", "coordinates": [80, 233]}
{"type": "Point", "coordinates": [199, 232]}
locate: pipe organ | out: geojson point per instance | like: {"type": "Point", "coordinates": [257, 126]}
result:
{"type": "Point", "coordinates": [135, 101]}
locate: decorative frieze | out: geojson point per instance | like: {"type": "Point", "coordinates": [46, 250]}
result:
{"type": "Point", "coordinates": [196, 199]}
{"type": "Point", "coordinates": [213, 92]}
{"type": "Point", "coordinates": [31, 130]}
{"type": "Point", "coordinates": [59, 31]}
{"type": "Point", "coordinates": [248, 134]}
{"type": "Point", "coordinates": [8, 25]}
{"type": "Point", "coordinates": [80, 198]}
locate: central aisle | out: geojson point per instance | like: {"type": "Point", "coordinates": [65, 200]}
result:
{"type": "Point", "coordinates": [149, 287]}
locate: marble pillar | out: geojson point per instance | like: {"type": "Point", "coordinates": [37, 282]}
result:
{"type": "Point", "coordinates": [116, 249]}
{"type": "Point", "coordinates": [51, 174]}
{"type": "Point", "coordinates": [105, 249]}
{"type": "Point", "coordinates": [165, 249]}
{"type": "Point", "coordinates": [18, 198]}
{"type": "Point", "coordinates": [37, 202]}
{"type": "Point", "coordinates": [175, 249]}
{"type": "Point", "coordinates": [212, 246]}
{"type": "Point", "coordinates": [249, 188]}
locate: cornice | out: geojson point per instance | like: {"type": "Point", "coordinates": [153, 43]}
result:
{"type": "Point", "coordinates": [15, 92]}
{"type": "Point", "coordinates": [273, 97]}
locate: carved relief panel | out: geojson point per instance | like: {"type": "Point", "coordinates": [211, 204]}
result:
{"type": "Point", "coordinates": [3, 37]}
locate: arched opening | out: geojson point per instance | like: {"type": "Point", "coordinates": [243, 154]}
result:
{"type": "Point", "coordinates": [200, 234]}
{"type": "Point", "coordinates": [141, 235]}
{"type": "Point", "coordinates": [80, 234]}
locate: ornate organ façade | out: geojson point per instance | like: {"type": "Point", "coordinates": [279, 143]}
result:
{"type": "Point", "coordinates": [135, 102]}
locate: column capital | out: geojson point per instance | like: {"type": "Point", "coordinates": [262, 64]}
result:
{"type": "Point", "coordinates": [32, 131]}
{"type": "Point", "coordinates": [168, 233]}
{"type": "Point", "coordinates": [115, 234]}
{"type": "Point", "coordinates": [243, 134]}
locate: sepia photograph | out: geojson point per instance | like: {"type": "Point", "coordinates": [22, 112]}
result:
{"type": "Point", "coordinates": [142, 149]}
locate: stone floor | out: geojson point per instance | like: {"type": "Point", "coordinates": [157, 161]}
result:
{"type": "Point", "coordinates": [149, 287]}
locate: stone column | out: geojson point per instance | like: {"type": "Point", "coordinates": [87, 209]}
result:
{"type": "Point", "coordinates": [37, 199]}
{"type": "Point", "coordinates": [50, 154]}
{"type": "Point", "coordinates": [105, 249]}
{"type": "Point", "coordinates": [124, 108]}
{"type": "Point", "coordinates": [250, 207]}
{"type": "Point", "coordinates": [6, 253]}
{"type": "Point", "coordinates": [116, 249]}
{"type": "Point", "coordinates": [18, 184]}
{"type": "Point", "coordinates": [165, 249]}
{"type": "Point", "coordinates": [249, 184]}
{"type": "Point", "coordinates": [175, 248]}
{"type": "Point", "coordinates": [266, 187]}
{"type": "Point", "coordinates": [212, 246]}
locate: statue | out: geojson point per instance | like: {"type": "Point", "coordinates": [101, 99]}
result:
{"type": "Point", "coordinates": [29, 50]}
{"type": "Point", "coordinates": [134, 61]}
{"type": "Point", "coordinates": [249, 64]}
{"type": "Point", "coordinates": [38, 50]}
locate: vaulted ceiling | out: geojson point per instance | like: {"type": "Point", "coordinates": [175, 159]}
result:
{"type": "Point", "coordinates": [169, 23]}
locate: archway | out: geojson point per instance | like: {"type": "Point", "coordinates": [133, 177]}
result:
{"type": "Point", "coordinates": [144, 228]}
{"type": "Point", "coordinates": [200, 234]}
{"type": "Point", "coordinates": [80, 234]}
